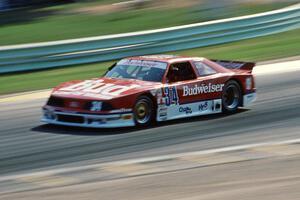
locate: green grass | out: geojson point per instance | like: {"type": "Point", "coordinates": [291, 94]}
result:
{"type": "Point", "coordinates": [59, 22]}
{"type": "Point", "coordinates": [270, 47]}
{"type": "Point", "coordinates": [258, 49]}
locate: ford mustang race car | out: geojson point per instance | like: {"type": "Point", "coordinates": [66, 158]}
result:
{"type": "Point", "coordinates": [141, 90]}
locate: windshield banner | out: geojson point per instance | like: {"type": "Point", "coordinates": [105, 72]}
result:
{"type": "Point", "coordinates": [143, 63]}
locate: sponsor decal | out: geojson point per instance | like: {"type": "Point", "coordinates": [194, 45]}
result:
{"type": "Point", "coordinates": [201, 89]}
{"type": "Point", "coordinates": [203, 106]}
{"type": "Point", "coordinates": [162, 115]}
{"type": "Point", "coordinates": [90, 87]}
{"type": "Point", "coordinates": [96, 106]}
{"type": "Point", "coordinates": [170, 96]}
{"type": "Point", "coordinates": [186, 110]}
{"type": "Point", "coordinates": [189, 109]}
{"type": "Point", "coordinates": [162, 111]}
{"type": "Point", "coordinates": [250, 96]}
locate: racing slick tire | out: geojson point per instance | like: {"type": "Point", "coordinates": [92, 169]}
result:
{"type": "Point", "coordinates": [143, 111]}
{"type": "Point", "coordinates": [231, 97]}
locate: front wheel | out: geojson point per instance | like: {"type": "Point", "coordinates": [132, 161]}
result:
{"type": "Point", "coordinates": [143, 111]}
{"type": "Point", "coordinates": [231, 97]}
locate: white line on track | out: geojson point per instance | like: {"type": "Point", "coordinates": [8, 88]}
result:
{"type": "Point", "coordinates": [149, 159]}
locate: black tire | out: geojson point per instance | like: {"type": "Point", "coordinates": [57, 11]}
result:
{"type": "Point", "coordinates": [231, 97]}
{"type": "Point", "coordinates": [143, 111]}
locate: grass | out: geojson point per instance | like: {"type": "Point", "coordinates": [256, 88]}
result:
{"type": "Point", "coordinates": [61, 22]}
{"type": "Point", "coordinates": [263, 48]}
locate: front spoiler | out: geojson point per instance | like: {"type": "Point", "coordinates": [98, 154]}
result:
{"type": "Point", "coordinates": [88, 120]}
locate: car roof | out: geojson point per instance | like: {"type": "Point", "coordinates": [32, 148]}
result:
{"type": "Point", "coordinates": [165, 58]}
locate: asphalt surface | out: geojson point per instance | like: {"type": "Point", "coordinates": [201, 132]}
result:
{"type": "Point", "coordinates": [270, 179]}
{"type": "Point", "coordinates": [26, 145]}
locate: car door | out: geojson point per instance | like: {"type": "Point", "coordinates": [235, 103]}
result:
{"type": "Point", "coordinates": [187, 93]}
{"type": "Point", "coordinates": [179, 74]}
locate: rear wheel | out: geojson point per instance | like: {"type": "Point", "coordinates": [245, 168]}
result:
{"type": "Point", "coordinates": [143, 111]}
{"type": "Point", "coordinates": [231, 97]}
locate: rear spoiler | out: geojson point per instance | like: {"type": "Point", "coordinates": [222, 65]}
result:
{"type": "Point", "coordinates": [247, 66]}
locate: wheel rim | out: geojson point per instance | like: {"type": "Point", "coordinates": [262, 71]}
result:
{"type": "Point", "coordinates": [231, 97]}
{"type": "Point", "coordinates": [142, 112]}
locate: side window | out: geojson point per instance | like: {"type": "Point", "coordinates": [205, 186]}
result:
{"type": "Point", "coordinates": [180, 72]}
{"type": "Point", "coordinates": [204, 69]}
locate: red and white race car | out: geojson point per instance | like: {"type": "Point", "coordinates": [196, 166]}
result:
{"type": "Point", "coordinates": [140, 90]}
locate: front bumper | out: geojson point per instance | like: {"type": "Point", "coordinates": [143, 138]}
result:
{"type": "Point", "coordinates": [88, 120]}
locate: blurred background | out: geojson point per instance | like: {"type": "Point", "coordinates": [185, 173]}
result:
{"type": "Point", "coordinates": [34, 21]}
{"type": "Point", "coordinates": [26, 21]}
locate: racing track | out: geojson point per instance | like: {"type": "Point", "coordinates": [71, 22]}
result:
{"type": "Point", "coordinates": [26, 145]}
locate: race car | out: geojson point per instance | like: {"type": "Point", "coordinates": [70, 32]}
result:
{"type": "Point", "coordinates": [144, 89]}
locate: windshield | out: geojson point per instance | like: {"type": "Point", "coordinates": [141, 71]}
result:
{"type": "Point", "coordinates": [138, 69]}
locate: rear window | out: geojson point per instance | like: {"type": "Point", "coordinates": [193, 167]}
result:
{"type": "Point", "coordinates": [204, 69]}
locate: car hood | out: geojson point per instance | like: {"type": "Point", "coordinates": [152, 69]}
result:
{"type": "Point", "coordinates": [103, 88]}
